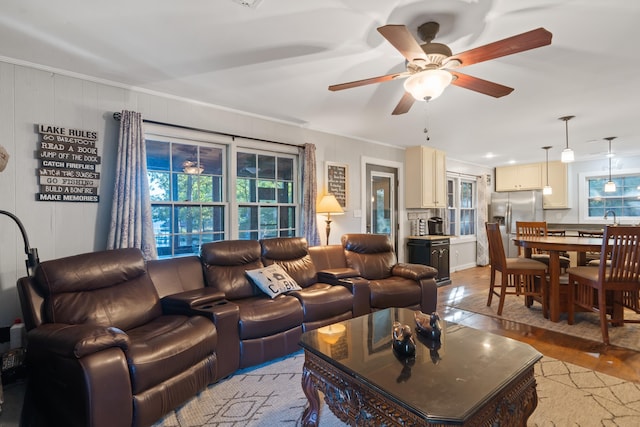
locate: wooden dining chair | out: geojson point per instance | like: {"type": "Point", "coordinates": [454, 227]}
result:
{"type": "Point", "coordinates": [606, 288]}
{"type": "Point", "coordinates": [538, 228]}
{"type": "Point", "coordinates": [518, 275]}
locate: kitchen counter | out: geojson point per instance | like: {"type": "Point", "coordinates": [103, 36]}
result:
{"type": "Point", "coordinates": [430, 237]}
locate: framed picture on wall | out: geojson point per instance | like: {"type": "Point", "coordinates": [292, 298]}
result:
{"type": "Point", "coordinates": [336, 176]}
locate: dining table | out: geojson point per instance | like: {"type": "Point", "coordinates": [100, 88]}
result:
{"type": "Point", "coordinates": [555, 245]}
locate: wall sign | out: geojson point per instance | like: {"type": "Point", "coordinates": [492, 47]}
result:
{"type": "Point", "coordinates": [68, 160]}
{"type": "Point", "coordinates": [336, 176]}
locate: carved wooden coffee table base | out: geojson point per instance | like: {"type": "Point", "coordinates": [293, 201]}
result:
{"type": "Point", "coordinates": [356, 404]}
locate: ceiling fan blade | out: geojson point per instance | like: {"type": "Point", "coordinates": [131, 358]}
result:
{"type": "Point", "coordinates": [369, 81]}
{"type": "Point", "coordinates": [400, 37]}
{"type": "Point", "coordinates": [520, 43]}
{"type": "Point", "coordinates": [479, 85]}
{"type": "Point", "coordinates": [404, 105]}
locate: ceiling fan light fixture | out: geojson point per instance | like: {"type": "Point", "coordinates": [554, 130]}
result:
{"type": "Point", "coordinates": [427, 85]}
{"type": "Point", "coordinates": [192, 168]}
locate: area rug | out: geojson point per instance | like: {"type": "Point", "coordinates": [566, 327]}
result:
{"type": "Point", "coordinates": [271, 395]}
{"type": "Point", "coordinates": [586, 325]}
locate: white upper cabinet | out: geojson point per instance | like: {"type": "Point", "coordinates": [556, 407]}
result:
{"type": "Point", "coordinates": [425, 178]}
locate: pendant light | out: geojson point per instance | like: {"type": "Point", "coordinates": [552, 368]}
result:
{"type": "Point", "coordinates": [610, 186]}
{"type": "Point", "coordinates": [567, 153]}
{"type": "Point", "coordinates": [547, 190]}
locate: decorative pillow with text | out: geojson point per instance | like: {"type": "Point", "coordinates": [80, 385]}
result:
{"type": "Point", "coordinates": [273, 280]}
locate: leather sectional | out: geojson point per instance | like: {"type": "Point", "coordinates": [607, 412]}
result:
{"type": "Point", "coordinates": [117, 341]}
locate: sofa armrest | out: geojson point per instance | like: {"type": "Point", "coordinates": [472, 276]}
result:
{"type": "Point", "coordinates": [414, 271]}
{"type": "Point", "coordinates": [75, 340]}
{"type": "Point", "coordinates": [334, 275]}
{"type": "Point", "coordinates": [359, 288]}
{"type": "Point", "coordinates": [184, 302]}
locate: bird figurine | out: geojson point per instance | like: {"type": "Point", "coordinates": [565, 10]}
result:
{"type": "Point", "coordinates": [403, 343]}
{"type": "Point", "coordinates": [428, 325]}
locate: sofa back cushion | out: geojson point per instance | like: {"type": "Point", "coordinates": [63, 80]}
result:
{"type": "Point", "coordinates": [225, 263]}
{"type": "Point", "coordinates": [371, 254]}
{"type": "Point", "coordinates": [328, 257]}
{"type": "Point", "coordinates": [292, 254]}
{"type": "Point", "coordinates": [107, 288]}
{"type": "Point", "coordinates": [175, 275]}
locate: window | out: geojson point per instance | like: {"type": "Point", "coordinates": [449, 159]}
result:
{"type": "Point", "coordinates": [192, 200]}
{"type": "Point", "coordinates": [265, 192]}
{"type": "Point", "coordinates": [624, 202]}
{"type": "Point", "coordinates": [461, 206]}
{"type": "Point", "coordinates": [187, 183]}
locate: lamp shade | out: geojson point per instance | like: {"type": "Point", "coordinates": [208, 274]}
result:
{"type": "Point", "coordinates": [567, 156]}
{"type": "Point", "coordinates": [427, 85]}
{"type": "Point", "coordinates": [610, 187]}
{"type": "Point", "coordinates": [329, 205]}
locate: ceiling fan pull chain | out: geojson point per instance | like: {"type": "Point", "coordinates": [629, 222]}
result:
{"type": "Point", "coordinates": [426, 120]}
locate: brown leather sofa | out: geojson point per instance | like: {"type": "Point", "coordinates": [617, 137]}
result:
{"type": "Point", "coordinates": [89, 326]}
{"type": "Point", "coordinates": [102, 351]}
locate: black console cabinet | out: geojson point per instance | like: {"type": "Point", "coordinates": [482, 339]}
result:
{"type": "Point", "coordinates": [434, 252]}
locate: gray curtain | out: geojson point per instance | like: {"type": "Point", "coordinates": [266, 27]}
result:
{"type": "Point", "coordinates": [482, 244]}
{"type": "Point", "coordinates": [131, 221]}
{"type": "Point", "coordinates": [309, 196]}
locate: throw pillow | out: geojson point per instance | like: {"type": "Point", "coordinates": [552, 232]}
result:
{"type": "Point", "coordinates": [273, 280]}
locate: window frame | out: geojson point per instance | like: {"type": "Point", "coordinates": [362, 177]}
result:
{"type": "Point", "coordinates": [231, 146]}
{"type": "Point", "coordinates": [261, 150]}
{"type": "Point", "coordinates": [457, 205]}
{"type": "Point", "coordinates": [198, 139]}
{"type": "Point", "coordinates": [583, 194]}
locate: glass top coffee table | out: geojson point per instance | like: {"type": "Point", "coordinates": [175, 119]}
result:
{"type": "Point", "coordinates": [470, 377]}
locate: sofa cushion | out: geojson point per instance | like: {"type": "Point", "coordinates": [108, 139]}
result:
{"type": "Point", "coordinates": [176, 275]}
{"type": "Point", "coordinates": [106, 288]}
{"type": "Point", "coordinates": [261, 316]}
{"type": "Point", "coordinates": [167, 346]}
{"type": "Point", "coordinates": [273, 280]}
{"type": "Point", "coordinates": [292, 253]}
{"type": "Point", "coordinates": [372, 255]}
{"type": "Point", "coordinates": [323, 301]}
{"type": "Point", "coordinates": [225, 263]}
{"type": "Point", "coordinates": [394, 292]}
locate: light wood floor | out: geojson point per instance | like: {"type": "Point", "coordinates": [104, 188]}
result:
{"type": "Point", "coordinates": [612, 360]}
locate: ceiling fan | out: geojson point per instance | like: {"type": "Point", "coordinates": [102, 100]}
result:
{"type": "Point", "coordinates": [430, 66]}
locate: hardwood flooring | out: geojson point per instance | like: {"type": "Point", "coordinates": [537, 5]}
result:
{"type": "Point", "coordinates": [611, 360]}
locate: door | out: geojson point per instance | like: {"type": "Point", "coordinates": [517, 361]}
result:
{"type": "Point", "coordinates": [382, 201]}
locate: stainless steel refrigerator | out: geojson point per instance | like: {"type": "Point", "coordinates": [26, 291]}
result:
{"type": "Point", "coordinates": [508, 207]}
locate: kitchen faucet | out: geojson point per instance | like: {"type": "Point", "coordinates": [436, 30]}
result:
{"type": "Point", "coordinates": [606, 215]}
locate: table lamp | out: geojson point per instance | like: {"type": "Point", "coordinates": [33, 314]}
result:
{"type": "Point", "coordinates": [329, 205]}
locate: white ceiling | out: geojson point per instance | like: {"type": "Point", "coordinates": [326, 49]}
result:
{"type": "Point", "coordinates": [277, 59]}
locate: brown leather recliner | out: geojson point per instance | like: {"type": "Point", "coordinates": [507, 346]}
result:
{"type": "Point", "coordinates": [322, 303]}
{"type": "Point", "coordinates": [101, 351]}
{"type": "Point", "coordinates": [268, 328]}
{"type": "Point", "coordinates": [391, 284]}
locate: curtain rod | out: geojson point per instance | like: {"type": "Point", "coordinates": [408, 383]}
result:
{"type": "Point", "coordinates": [117, 116]}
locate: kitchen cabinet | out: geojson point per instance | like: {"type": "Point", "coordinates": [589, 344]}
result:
{"type": "Point", "coordinates": [558, 180]}
{"type": "Point", "coordinates": [519, 177]}
{"type": "Point", "coordinates": [432, 251]}
{"type": "Point", "coordinates": [425, 178]}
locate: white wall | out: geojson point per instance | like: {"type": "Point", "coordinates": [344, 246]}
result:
{"type": "Point", "coordinates": [29, 96]}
